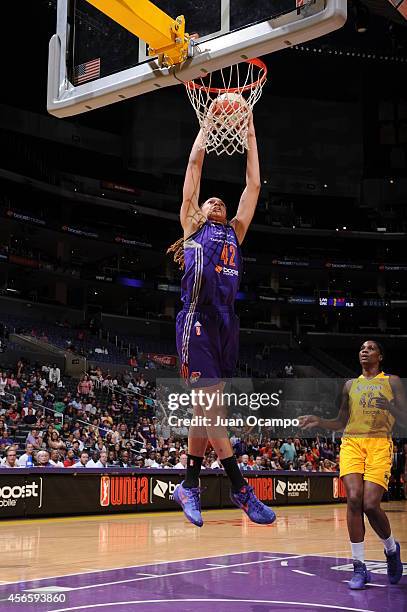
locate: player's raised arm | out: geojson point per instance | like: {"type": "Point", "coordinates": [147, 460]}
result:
{"type": "Point", "coordinates": [250, 195]}
{"type": "Point", "coordinates": [190, 214]}
{"type": "Point", "coordinates": [338, 424]}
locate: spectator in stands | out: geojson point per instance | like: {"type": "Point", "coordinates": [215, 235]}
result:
{"type": "Point", "coordinates": [55, 459]}
{"type": "Point", "coordinates": [27, 460]}
{"type": "Point", "coordinates": [43, 459]}
{"type": "Point", "coordinates": [27, 394]}
{"type": "Point", "coordinates": [277, 463]}
{"type": "Point", "coordinates": [54, 375]}
{"type": "Point", "coordinates": [70, 459]}
{"type": "Point", "coordinates": [326, 451]}
{"type": "Point", "coordinates": [34, 439]}
{"type": "Point", "coordinates": [12, 382]}
{"type": "Point", "coordinates": [327, 466]}
{"type": "Point", "coordinates": [244, 465]}
{"type": "Point", "coordinates": [5, 438]}
{"type": "Point", "coordinates": [102, 462]}
{"type": "Point", "coordinates": [76, 449]}
{"type": "Point", "coordinates": [94, 458]}
{"type": "Point", "coordinates": [310, 456]}
{"type": "Point", "coordinates": [77, 439]}
{"type": "Point", "coordinates": [124, 459]}
{"type": "Point", "coordinates": [20, 368]}
{"type": "Point", "coordinates": [151, 460]}
{"type": "Point", "coordinates": [11, 458]}
{"type": "Point", "coordinates": [47, 434]}
{"type": "Point", "coordinates": [214, 461]}
{"type": "Point", "coordinates": [13, 417]}
{"type": "Point", "coordinates": [111, 458]}
{"type": "Point", "coordinates": [182, 463]}
{"type": "Point", "coordinates": [259, 463]}
{"type": "Point", "coordinates": [107, 419]}
{"type": "Point", "coordinates": [288, 451]}
{"type": "Point", "coordinates": [172, 456]}
{"type": "Point", "coordinates": [100, 447]}
{"type": "Point", "coordinates": [83, 460]}
{"type": "Point", "coordinates": [55, 442]}
{"type": "Point", "coordinates": [3, 383]}
{"type": "Point", "coordinates": [85, 387]}
{"type": "Point", "coordinates": [133, 363]}
{"type": "Point", "coordinates": [132, 387]}
{"type": "Point", "coordinates": [268, 449]}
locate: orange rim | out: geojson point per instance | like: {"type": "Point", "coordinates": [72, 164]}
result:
{"type": "Point", "coordinates": [219, 90]}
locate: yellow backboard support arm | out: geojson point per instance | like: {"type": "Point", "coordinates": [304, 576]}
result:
{"type": "Point", "coordinates": [164, 35]}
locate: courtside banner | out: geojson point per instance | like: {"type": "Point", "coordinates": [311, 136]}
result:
{"type": "Point", "coordinates": [13, 493]}
{"type": "Point", "coordinates": [263, 485]}
{"type": "Point", "coordinates": [322, 490]}
{"type": "Point", "coordinates": [64, 492]}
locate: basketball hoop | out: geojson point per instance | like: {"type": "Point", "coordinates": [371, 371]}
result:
{"type": "Point", "coordinates": [223, 102]}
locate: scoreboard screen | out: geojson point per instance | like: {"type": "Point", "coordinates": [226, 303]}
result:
{"type": "Point", "coordinates": [336, 302]}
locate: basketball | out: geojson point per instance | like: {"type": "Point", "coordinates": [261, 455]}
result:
{"type": "Point", "coordinates": [228, 103]}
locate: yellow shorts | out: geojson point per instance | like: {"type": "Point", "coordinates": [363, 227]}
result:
{"type": "Point", "coordinates": [371, 457]}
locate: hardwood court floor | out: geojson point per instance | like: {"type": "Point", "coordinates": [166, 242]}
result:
{"type": "Point", "coordinates": [41, 548]}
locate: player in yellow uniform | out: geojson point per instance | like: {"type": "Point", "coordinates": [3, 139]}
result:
{"type": "Point", "coordinates": [369, 408]}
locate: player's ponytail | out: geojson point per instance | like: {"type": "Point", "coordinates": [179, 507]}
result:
{"type": "Point", "coordinates": [178, 249]}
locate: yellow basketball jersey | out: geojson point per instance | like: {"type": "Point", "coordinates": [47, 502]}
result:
{"type": "Point", "coordinates": [365, 418]}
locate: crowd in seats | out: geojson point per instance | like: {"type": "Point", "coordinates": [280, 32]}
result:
{"type": "Point", "coordinates": [103, 420]}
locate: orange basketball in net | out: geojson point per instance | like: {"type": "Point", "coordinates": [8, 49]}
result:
{"type": "Point", "coordinates": [228, 104]}
{"type": "Point", "coordinates": [224, 112]}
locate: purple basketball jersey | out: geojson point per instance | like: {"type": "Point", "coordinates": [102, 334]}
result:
{"type": "Point", "coordinates": [207, 327]}
{"type": "Point", "coordinates": [212, 266]}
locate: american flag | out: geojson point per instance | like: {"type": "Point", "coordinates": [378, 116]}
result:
{"type": "Point", "coordinates": [86, 72]}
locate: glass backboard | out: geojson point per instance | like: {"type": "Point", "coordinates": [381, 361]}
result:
{"type": "Point", "coordinates": [94, 62]}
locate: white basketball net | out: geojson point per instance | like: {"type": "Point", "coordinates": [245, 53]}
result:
{"type": "Point", "coordinates": [224, 110]}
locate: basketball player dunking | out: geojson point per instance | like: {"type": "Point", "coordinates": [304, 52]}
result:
{"type": "Point", "coordinates": [370, 405]}
{"type": "Point", "coordinates": [207, 327]}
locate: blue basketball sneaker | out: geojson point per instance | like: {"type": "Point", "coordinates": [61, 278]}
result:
{"type": "Point", "coordinates": [190, 502]}
{"type": "Point", "coordinates": [360, 576]}
{"type": "Point", "coordinates": [254, 508]}
{"type": "Point", "coordinates": [394, 565]}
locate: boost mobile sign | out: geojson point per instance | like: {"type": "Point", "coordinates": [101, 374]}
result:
{"type": "Point", "coordinates": [13, 494]}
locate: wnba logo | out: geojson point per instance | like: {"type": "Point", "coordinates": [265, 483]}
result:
{"type": "Point", "coordinates": [104, 490]}
{"type": "Point", "coordinates": [338, 488]}
{"type": "Point", "coordinates": [263, 488]}
{"type": "Point", "coordinates": [123, 491]}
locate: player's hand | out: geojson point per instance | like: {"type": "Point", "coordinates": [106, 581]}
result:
{"type": "Point", "coordinates": [309, 421]}
{"type": "Point", "coordinates": [382, 402]}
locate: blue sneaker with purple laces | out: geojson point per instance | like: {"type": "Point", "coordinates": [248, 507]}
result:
{"type": "Point", "coordinates": [190, 502]}
{"type": "Point", "coordinates": [253, 507]}
{"type": "Point", "coordinates": [360, 576]}
{"type": "Point", "coordinates": [394, 565]}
